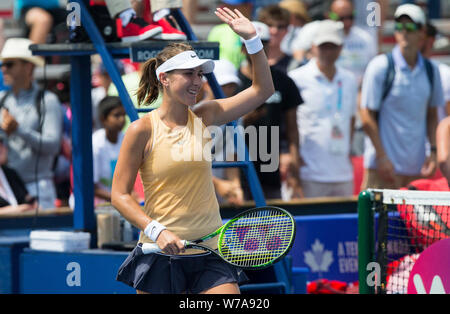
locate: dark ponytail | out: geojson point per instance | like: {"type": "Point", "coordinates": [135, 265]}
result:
{"type": "Point", "coordinates": [148, 84]}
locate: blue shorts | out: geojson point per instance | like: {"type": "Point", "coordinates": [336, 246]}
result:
{"type": "Point", "coordinates": [159, 273]}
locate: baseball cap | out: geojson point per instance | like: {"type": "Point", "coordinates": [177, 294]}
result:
{"type": "Point", "coordinates": [413, 11]}
{"type": "Point", "coordinates": [307, 35]}
{"type": "Point", "coordinates": [329, 31]}
{"type": "Point", "coordinates": [186, 60]}
{"type": "Point", "coordinates": [225, 72]}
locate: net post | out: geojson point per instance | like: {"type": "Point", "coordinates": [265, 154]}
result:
{"type": "Point", "coordinates": [365, 240]}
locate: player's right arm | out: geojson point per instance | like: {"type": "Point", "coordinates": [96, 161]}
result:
{"type": "Point", "coordinates": [131, 156]}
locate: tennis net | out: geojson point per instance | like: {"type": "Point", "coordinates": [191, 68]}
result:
{"type": "Point", "coordinates": [395, 226]}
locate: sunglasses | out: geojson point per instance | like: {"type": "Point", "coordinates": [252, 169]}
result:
{"type": "Point", "coordinates": [8, 64]}
{"type": "Point", "coordinates": [335, 17]}
{"type": "Point", "coordinates": [409, 27]}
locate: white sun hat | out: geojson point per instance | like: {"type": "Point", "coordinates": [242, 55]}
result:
{"type": "Point", "coordinates": [185, 60]}
{"type": "Point", "coordinates": [18, 48]}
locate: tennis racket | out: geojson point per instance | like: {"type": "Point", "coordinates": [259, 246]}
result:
{"type": "Point", "coordinates": [254, 239]}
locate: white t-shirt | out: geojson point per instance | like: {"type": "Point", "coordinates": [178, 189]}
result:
{"type": "Point", "coordinates": [359, 48]}
{"type": "Point", "coordinates": [315, 120]}
{"type": "Point", "coordinates": [105, 156]}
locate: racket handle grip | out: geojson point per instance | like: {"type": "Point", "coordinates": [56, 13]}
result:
{"type": "Point", "coordinates": [148, 248]}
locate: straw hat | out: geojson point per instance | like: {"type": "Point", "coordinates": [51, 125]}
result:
{"type": "Point", "coordinates": [296, 7]}
{"type": "Point", "coordinates": [18, 48]}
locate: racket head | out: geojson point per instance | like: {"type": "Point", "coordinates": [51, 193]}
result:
{"type": "Point", "coordinates": [257, 238]}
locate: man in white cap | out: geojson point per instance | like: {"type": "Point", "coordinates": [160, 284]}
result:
{"type": "Point", "coordinates": [399, 117]}
{"type": "Point", "coordinates": [326, 119]}
{"type": "Point", "coordinates": [32, 120]}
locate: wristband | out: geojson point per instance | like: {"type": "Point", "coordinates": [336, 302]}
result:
{"type": "Point", "coordinates": [153, 230]}
{"type": "Point", "coordinates": [253, 45]}
{"type": "Point", "coordinates": [433, 148]}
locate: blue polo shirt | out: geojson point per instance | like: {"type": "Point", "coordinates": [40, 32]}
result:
{"type": "Point", "coordinates": [402, 115]}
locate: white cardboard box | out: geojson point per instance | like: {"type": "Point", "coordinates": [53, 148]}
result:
{"type": "Point", "coordinates": [59, 241]}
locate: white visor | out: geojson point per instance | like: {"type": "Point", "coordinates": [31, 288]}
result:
{"type": "Point", "coordinates": [185, 60]}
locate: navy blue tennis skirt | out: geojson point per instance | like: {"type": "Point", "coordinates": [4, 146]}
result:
{"type": "Point", "coordinates": [159, 273]}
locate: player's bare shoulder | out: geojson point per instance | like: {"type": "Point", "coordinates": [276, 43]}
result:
{"type": "Point", "coordinates": [139, 134]}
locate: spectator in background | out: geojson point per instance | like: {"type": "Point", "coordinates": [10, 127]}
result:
{"type": "Point", "coordinates": [278, 20]}
{"type": "Point", "coordinates": [103, 83]}
{"type": "Point", "coordinates": [39, 17]}
{"type": "Point", "coordinates": [365, 18]}
{"type": "Point", "coordinates": [106, 144]}
{"type": "Point", "coordinates": [14, 197]}
{"type": "Point", "coordinates": [398, 125]}
{"type": "Point", "coordinates": [298, 18]}
{"type": "Point", "coordinates": [279, 111]}
{"type": "Point", "coordinates": [327, 117]}
{"type": "Point", "coordinates": [32, 119]}
{"type": "Point", "coordinates": [317, 9]}
{"type": "Point", "coordinates": [359, 47]}
{"type": "Point", "coordinates": [444, 70]}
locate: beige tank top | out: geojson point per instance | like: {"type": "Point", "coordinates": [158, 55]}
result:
{"type": "Point", "coordinates": [177, 180]}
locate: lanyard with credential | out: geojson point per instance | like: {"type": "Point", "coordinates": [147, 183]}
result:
{"type": "Point", "coordinates": [337, 134]}
{"type": "Point", "coordinates": [339, 101]}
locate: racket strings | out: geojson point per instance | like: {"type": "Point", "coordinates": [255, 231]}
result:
{"type": "Point", "coordinates": [257, 238]}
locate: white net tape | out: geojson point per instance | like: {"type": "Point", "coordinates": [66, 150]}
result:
{"type": "Point", "coordinates": [411, 197]}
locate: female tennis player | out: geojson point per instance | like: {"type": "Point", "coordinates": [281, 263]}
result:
{"type": "Point", "coordinates": [180, 201]}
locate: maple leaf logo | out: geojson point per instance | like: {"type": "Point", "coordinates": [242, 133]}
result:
{"type": "Point", "coordinates": [318, 259]}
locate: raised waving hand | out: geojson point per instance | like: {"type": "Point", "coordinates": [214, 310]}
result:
{"type": "Point", "coordinates": [237, 21]}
